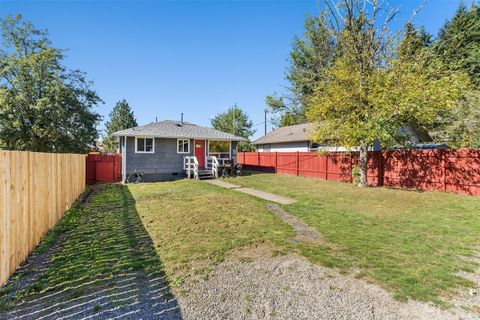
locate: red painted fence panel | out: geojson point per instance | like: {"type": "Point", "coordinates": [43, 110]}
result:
{"type": "Point", "coordinates": [103, 168]}
{"type": "Point", "coordinates": [444, 170]}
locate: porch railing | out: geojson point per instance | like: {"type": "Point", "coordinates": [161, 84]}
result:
{"type": "Point", "coordinates": [212, 164]}
{"type": "Point", "coordinates": [190, 165]}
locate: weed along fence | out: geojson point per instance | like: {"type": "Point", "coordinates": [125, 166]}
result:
{"type": "Point", "coordinates": [444, 170]}
{"type": "Point", "coordinates": [35, 191]}
{"type": "Point", "coordinates": [104, 168]}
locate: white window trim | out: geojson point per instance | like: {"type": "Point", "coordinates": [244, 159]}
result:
{"type": "Point", "coordinates": [153, 144]}
{"type": "Point", "coordinates": [178, 140]}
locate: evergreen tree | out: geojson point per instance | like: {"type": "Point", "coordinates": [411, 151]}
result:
{"type": "Point", "coordinates": [309, 57]}
{"type": "Point", "coordinates": [458, 43]}
{"type": "Point", "coordinates": [121, 118]}
{"type": "Point", "coordinates": [458, 46]}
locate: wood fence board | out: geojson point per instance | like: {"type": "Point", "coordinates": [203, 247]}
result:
{"type": "Point", "coordinates": [456, 170]}
{"type": "Point", "coordinates": [35, 191]}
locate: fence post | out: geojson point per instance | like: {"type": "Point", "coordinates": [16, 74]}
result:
{"type": "Point", "coordinates": [380, 169]}
{"type": "Point", "coordinates": [276, 161]}
{"type": "Point", "coordinates": [258, 159]}
{"type": "Point", "coordinates": [326, 166]}
{"type": "Point", "coordinates": [298, 163]}
{"type": "Point", "coordinates": [444, 167]}
{"type": "Point", "coordinates": [113, 169]}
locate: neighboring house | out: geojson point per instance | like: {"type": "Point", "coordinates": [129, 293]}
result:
{"type": "Point", "coordinates": [158, 149]}
{"type": "Point", "coordinates": [297, 138]}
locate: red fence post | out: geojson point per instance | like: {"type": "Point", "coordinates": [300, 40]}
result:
{"type": "Point", "coordinates": [276, 161]}
{"type": "Point", "coordinates": [380, 169]}
{"type": "Point", "coordinates": [443, 154]}
{"type": "Point", "coordinates": [258, 159]}
{"type": "Point", "coordinates": [298, 163]}
{"type": "Point", "coordinates": [326, 166]}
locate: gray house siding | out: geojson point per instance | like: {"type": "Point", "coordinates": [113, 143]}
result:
{"type": "Point", "coordinates": [164, 164]}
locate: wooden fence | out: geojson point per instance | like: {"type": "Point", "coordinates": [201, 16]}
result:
{"type": "Point", "coordinates": [35, 191]}
{"type": "Point", "coordinates": [445, 170]}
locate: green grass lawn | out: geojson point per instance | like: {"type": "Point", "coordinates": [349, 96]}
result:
{"type": "Point", "coordinates": [411, 243]}
{"type": "Point", "coordinates": [95, 241]}
{"type": "Point", "coordinates": [193, 224]}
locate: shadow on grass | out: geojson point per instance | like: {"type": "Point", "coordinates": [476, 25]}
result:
{"type": "Point", "coordinates": [98, 262]}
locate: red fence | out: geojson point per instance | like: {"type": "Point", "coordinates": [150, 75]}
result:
{"type": "Point", "coordinates": [103, 168]}
{"type": "Point", "coordinates": [446, 170]}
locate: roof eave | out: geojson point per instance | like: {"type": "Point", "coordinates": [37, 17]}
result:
{"type": "Point", "coordinates": [239, 139]}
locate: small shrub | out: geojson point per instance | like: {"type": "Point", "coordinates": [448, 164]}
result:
{"type": "Point", "coordinates": [356, 174]}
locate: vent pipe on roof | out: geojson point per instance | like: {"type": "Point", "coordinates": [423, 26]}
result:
{"type": "Point", "coordinates": [181, 118]}
{"type": "Point", "coordinates": [156, 119]}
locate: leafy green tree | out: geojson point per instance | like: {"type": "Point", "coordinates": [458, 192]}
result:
{"type": "Point", "coordinates": [458, 43]}
{"type": "Point", "coordinates": [121, 118]}
{"type": "Point", "coordinates": [236, 122]}
{"type": "Point", "coordinates": [43, 106]}
{"type": "Point", "coordinates": [369, 94]}
{"type": "Point", "coordinates": [461, 127]}
{"type": "Point", "coordinates": [310, 56]}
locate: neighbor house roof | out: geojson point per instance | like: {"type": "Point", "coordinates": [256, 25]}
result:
{"type": "Point", "coordinates": [300, 132]}
{"type": "Point", "coordinates": [176, 129]}
{"type": "Point", "coordinates": [294, 133]}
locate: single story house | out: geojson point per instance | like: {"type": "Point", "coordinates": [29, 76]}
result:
{"type": "Point", "coordinates": [158, 148]}
{"type": "Point", "coordinates": [297, 138]}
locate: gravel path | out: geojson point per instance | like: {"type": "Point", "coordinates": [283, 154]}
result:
{"type": "Point", "coordinates": [289, 287]}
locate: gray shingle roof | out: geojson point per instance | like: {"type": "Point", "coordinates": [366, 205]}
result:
{"type": "Point", "coordinates": [174, 129]}
{"type": "Point", "coordinates": [299, 132]}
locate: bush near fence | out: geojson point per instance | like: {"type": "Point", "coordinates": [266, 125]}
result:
{"type": "Point", "coordinates": [452, 170]}
{"type": "Point", "coordinates": [36, 189]}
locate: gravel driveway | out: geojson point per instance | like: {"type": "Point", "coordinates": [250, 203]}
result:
{"type": "Point", "coordinates": [290, 287]}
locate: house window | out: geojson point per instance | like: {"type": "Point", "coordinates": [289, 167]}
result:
{"type": "Point", "coordinates": [144, 145]}
{"type": "Point", "coordinates": [266, 147]}
{"type": "Point", "coordinates": [219, 149]}
{"type": "Point", "coordinates": [183, 146]}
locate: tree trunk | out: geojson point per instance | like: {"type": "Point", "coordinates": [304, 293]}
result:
{"type": "Point", "coordinates": [363, 166]}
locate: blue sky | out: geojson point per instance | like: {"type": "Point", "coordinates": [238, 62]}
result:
{"type": "Point", "coordinates": [195, 57]}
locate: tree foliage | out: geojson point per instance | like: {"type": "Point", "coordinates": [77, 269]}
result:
{"type": "Point", "coordinates": [461, 127]}
{"type": "Point", "coordinates": [309, 57]}
{"type": "Point", "coordinates": [458, 43]}
{"type": "Point", "coordinates": [458, 46]}
{"type": "Point", "coordinates": [121, 118]}
{"type": "Point", "coordinates": [43, 106]}
{"type": "Point", "coordinates": [236, 122]}
{"type": "Point", "coordinates": [371, 91]}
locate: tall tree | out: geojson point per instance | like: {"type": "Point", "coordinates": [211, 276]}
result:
{"type": "Point", "coordinates": [43, 106]}
{"type": "Point", "coordinates": [458, 46]}
{"type": "Point", "coordinates": [310, 56]}
{"type": "Point", "coordinates": [369, 93]}
{"type": "Point", "coordinates": [414, 40]}
{"type": "Point", "coordinates": [121, 117]}
{"type": "Point", "coordinates": [236, 122]}
{"type": "Point", "coordinates": [458, 43]}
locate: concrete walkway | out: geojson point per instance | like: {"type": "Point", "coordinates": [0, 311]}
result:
{"type": "Point", "coordinates": [253, 192]}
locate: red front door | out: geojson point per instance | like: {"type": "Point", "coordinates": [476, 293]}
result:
{"type": "Point", "coordinates": [200, 152]}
